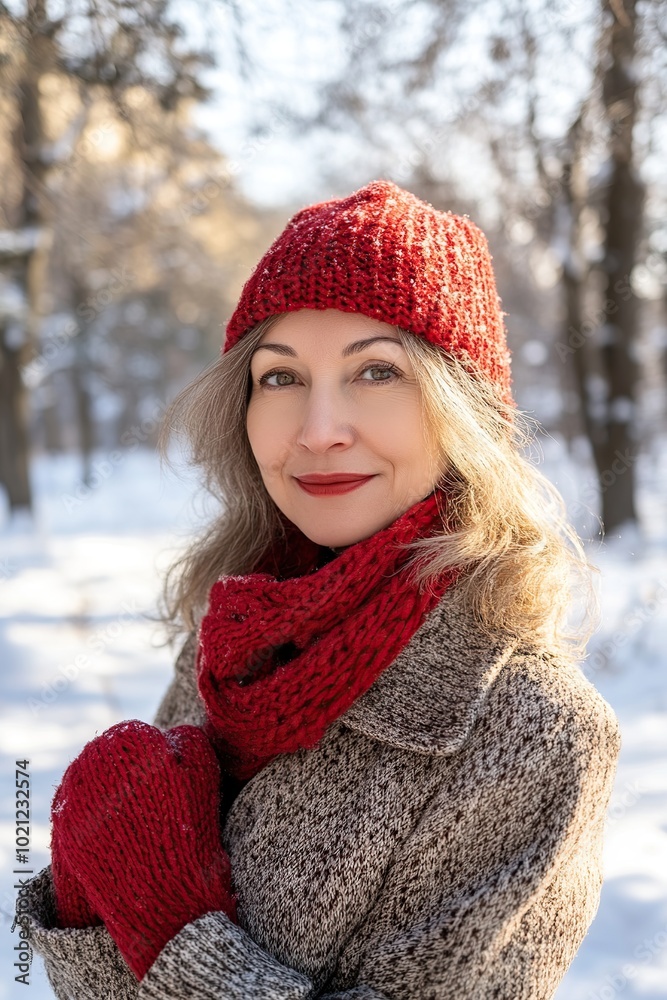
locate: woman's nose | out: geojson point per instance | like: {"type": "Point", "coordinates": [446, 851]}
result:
{"type": "Point", "coordinates": [325, 420]}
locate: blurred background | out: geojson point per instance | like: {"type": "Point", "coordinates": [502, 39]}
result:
{"type": "Point", "coordinates": [149, 154]}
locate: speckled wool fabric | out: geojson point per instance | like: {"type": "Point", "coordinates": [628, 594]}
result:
{"type": "Point", "coordinates": [442, 841]}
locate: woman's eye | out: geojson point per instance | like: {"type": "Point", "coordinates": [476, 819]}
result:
{"type": "Point", "coordinates": [264, 379]}
{"type": "Point", "coordinates": [389, 373]}
{"type": "Point", "coordinates": [386, 369]}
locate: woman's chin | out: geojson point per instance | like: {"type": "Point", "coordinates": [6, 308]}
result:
{"type": "Point", "coordinates": [330, 540]}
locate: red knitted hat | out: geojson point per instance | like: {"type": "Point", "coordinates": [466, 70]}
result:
{"type": "Point", "coordinates": [383, 252]}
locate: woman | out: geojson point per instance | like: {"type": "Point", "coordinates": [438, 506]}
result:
{"type": "Point", "coordinates": [379, 772]}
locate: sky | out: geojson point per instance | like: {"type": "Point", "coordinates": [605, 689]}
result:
{"type": "Point", "coordinates": [293, 56]}
{"type": "Point", "coordinates": [288, 63]}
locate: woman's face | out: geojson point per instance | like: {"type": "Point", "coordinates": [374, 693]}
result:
{"type": "Point", "coordinates": [328, 397]}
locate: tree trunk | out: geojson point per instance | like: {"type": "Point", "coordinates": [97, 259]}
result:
{"type": "Point", "coordinates": [13, 425]}
{"type": "Point", "coordinates": [574, 350]}
{"type": "Point", "coordinates": [28, 141]}
{"type": "Point", "coordinates": [616, 450]}
{"type": "Point", "coordinates": [84, 414]}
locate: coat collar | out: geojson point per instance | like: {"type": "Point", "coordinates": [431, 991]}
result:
{"type": "Point", "coordinates": [427, 700]}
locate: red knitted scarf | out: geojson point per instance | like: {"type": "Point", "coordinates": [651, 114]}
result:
{"type": "Point", "coordinates": [283, 654]}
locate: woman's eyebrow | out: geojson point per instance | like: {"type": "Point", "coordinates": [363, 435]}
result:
{"type": "Point", "coordinates": [354, 348]}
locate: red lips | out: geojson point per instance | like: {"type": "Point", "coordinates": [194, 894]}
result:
{"type": "Point", "coordinates": [330, 484]}
{"type": "Point", "coordinates": [332, 477]}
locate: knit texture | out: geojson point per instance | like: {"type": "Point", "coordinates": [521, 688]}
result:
{"type": "Point", "coordinates": [279, 659]}
{"type": "Point", "coordinates": [383, 252]}
{"type": "Point", "coordinates": [136, 833]}
{"type": "Point", "coordinates": [73, 908]}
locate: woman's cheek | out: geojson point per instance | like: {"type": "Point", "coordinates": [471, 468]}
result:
{"type": "Point", "coordinates": [262, 425]}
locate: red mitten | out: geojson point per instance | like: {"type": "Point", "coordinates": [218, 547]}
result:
{"type": "Point", "coordinates": [72, 907]}
{"type": "Point", "coordinates": [136, 818]}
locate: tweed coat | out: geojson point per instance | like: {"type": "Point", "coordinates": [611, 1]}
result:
{"type": "Point", "coordinates": [442, 841]}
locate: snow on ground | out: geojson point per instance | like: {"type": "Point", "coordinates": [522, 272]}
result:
{"type": "Point", "coordinates": [80, 652]}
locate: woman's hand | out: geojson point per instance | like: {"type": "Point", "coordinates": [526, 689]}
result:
{"type": "Point", "coordinates": [136, 837]}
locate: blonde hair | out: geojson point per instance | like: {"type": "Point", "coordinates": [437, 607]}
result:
{"type": "Point", "coordinates": [507, 532]}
